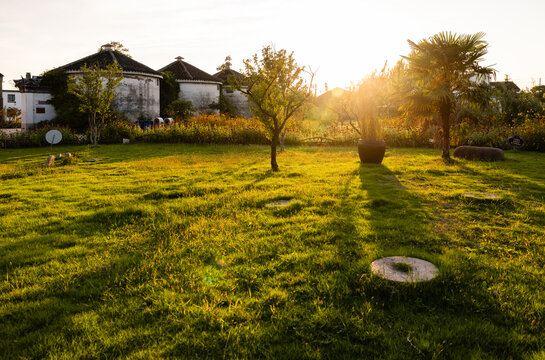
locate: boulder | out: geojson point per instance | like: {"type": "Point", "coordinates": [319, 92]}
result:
{"type": "Point", "coordinates": [482, 153]}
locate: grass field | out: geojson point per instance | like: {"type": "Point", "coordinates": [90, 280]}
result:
{"type": "Point", "coordinates": [170, 251]}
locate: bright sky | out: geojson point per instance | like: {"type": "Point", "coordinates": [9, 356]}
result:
{"type": "Point", "coordinates": [342, 39]}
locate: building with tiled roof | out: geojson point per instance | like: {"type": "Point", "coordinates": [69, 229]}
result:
{"type": "Point", "coordinates": [233, 96]}
{"type": "Point", "coordinates": [505, 85]}
{"type": "Point", "coordinates": [197, 86]}
{"type": "Point", "coordinates": [138, 92]}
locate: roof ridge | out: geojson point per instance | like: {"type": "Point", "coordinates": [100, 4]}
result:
{"type": "Point", "coordinates": [187, 71]}
{"type": "Point", "coordinates": [113, 57]}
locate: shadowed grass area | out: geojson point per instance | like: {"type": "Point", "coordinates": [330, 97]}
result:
{"type": "Point", "coordinates": [171, 251]}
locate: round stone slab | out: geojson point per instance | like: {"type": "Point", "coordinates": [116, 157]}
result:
{"type": "Point", "coordinates": [481, 196]}
{"type": "Point", "coordinates": [421, 270]}
{"type": "Point", "coordinates": [282, 202]}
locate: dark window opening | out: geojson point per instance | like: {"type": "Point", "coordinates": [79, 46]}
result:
{"type": "Point", "coordinates": [40, 110]}
{"type": "Point", "coordinates": [11, 98]}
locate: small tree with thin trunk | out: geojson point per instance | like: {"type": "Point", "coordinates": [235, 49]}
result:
{"type": "Point", "coordinates": [95, 89]}
{"type": "Point", "coordinates": [276, 89]}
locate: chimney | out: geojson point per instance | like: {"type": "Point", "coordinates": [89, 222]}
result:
{"type": "Point", "coordinates": [28, 77]}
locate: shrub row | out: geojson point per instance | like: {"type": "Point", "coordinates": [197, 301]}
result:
{"type": "Point", "coordinates": [218, 129]}
{"type": "Point", "coordinates": [36, 137]}
{"type": "Point", "coordinates": [531, 130]}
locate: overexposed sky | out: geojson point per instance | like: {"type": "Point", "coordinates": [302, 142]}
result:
{"type": "Point", "coordinates": [342, 39]}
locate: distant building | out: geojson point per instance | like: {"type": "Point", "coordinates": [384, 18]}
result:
{"type": "Point", "coordinates": [197, 86]}
{"type": "Point", "coordinates": [137, 93]}
{"type": "Point", "coordinates": [35, 101]}
{"type": "Point", "coordinates": [233, 96]}
{"type": "Point", "coordinates": [11, 99]}
{"type": "Point", "coordinates": [505, 85]}
{"type": "Point", "coordinates": [1, 99]}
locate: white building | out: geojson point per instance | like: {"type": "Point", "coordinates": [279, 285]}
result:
{"type": "Point", "coordinates": [138, 92]}
{"type": "Point", "coordinates": [197, 86]}
{"type": "Point", "coordinates": [234, 96]}
{"type": "Point", "coordinates": [11, 99]}
{"type": "Point", "coordinates": [35, 101]}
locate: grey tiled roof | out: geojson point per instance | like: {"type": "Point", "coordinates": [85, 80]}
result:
{"type": "Point", "coordinates": [185, 71]}
{"type": "Point", "coordinates": [106, 57]}
{"type": "Point", "coordinates": [224, 75]}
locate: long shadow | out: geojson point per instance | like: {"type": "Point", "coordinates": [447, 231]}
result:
{"type": "Point", "coordinates": [67, 314]}
{"type": "Point", "coordinates": [379, 217]}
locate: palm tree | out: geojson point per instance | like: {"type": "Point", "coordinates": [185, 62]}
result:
{"type": "Point", "coordinates": [444, 71]}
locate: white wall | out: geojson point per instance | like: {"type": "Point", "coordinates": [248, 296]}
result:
{"type": "Point", "coordinates": [138, 94]}
{"type": "Point", "coordinates": [17, 103]}
{"type": "Point", "coordinates": [31, 104]}
{"type": "Point", "coordinates": [200, 94]}
{"type": "Point", "coordinates": [238, 100]}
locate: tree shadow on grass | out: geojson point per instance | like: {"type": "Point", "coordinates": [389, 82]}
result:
{"type": "Point", "coordinates": [378, 217]}
{"type": "Point", "coordinates": [66, 315]}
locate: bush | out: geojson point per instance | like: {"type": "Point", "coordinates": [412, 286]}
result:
{"type": "Point", "coordinates": [209, 129]}
{"type": "Point", "coordinates": [115, 131]}
{"type": "Point", "coordinates": [12, 124]}
{"type": "Point", "coordinates": [36, 137]}
{"type": "Point", "coordinates": [532, 131]}
{"type": "Point", "coordinates": [412, 136]}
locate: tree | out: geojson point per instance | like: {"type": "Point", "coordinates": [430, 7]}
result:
{"type": "Point", "coordinates": [539, 92]}
{"type": "Point", "coordinates": [445, 71]}
{"type": "Point", "coordinates": [119, 47]}
{"type": "Point", "coordinates": [180, 110]}
{"type": "Point", "coordinates": [95, 89]}
{"type": "Point", "coordinates": [275, 87]}
{"type": "Point", "coordinates": [169, 91]}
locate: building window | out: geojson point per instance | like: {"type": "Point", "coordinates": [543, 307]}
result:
{"type": "Point", "coordinates": [40, 110]}
{"type": "Point", "coordinates": [11, 98]}
{"type": "Point", "coordinates": [229, 90]}
{"type": "Point", "coordinates": [44, 102]}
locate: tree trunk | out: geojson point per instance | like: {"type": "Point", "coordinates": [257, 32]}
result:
{"type": "Point", "coordinates": [282, 136]}
{"type": "Point", "coordinates": [274, 142]}
{"type": "Point", "coordinates": [445, 127]}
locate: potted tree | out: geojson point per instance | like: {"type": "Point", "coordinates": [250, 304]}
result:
{"type": "Point", "coordinates": [366, 103]}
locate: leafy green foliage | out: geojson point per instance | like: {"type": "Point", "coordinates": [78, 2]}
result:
{"type": "Point", "coordinates": [169, 91]}
{"type": "Point", "coordinates": [119, 47]}
{"type": "Point", "coordinates": [224, 106]}
{"type": "Point", "coordinates": [275, 86]}
{"type": "Point", "coordinates": [516, 106]}
{"type": "Point", "coordinates": [66, 104]}
{"type": "Point", "coordinates": [95, 90]}
{"type": "Point", "coordinates": [180, 110]}
{"type": "Point", "coordinates": [443, 71]}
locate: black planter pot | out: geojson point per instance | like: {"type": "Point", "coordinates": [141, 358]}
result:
{"type": "Point", "coordinates": [371, 151]}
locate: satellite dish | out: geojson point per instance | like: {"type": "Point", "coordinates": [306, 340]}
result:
{"type": "Point", "coordinates": [53, 137]}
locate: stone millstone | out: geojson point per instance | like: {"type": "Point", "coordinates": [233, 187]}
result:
{"type": "Point", "coordinates": [282, 202]}
{"type": "Point", "coordinates": [421, 270]}
{"type": "Point", "coordinates": [482, 153]}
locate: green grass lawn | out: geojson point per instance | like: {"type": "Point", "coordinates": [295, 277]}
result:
{"type": "Point", "coordinates": [170, 251]}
